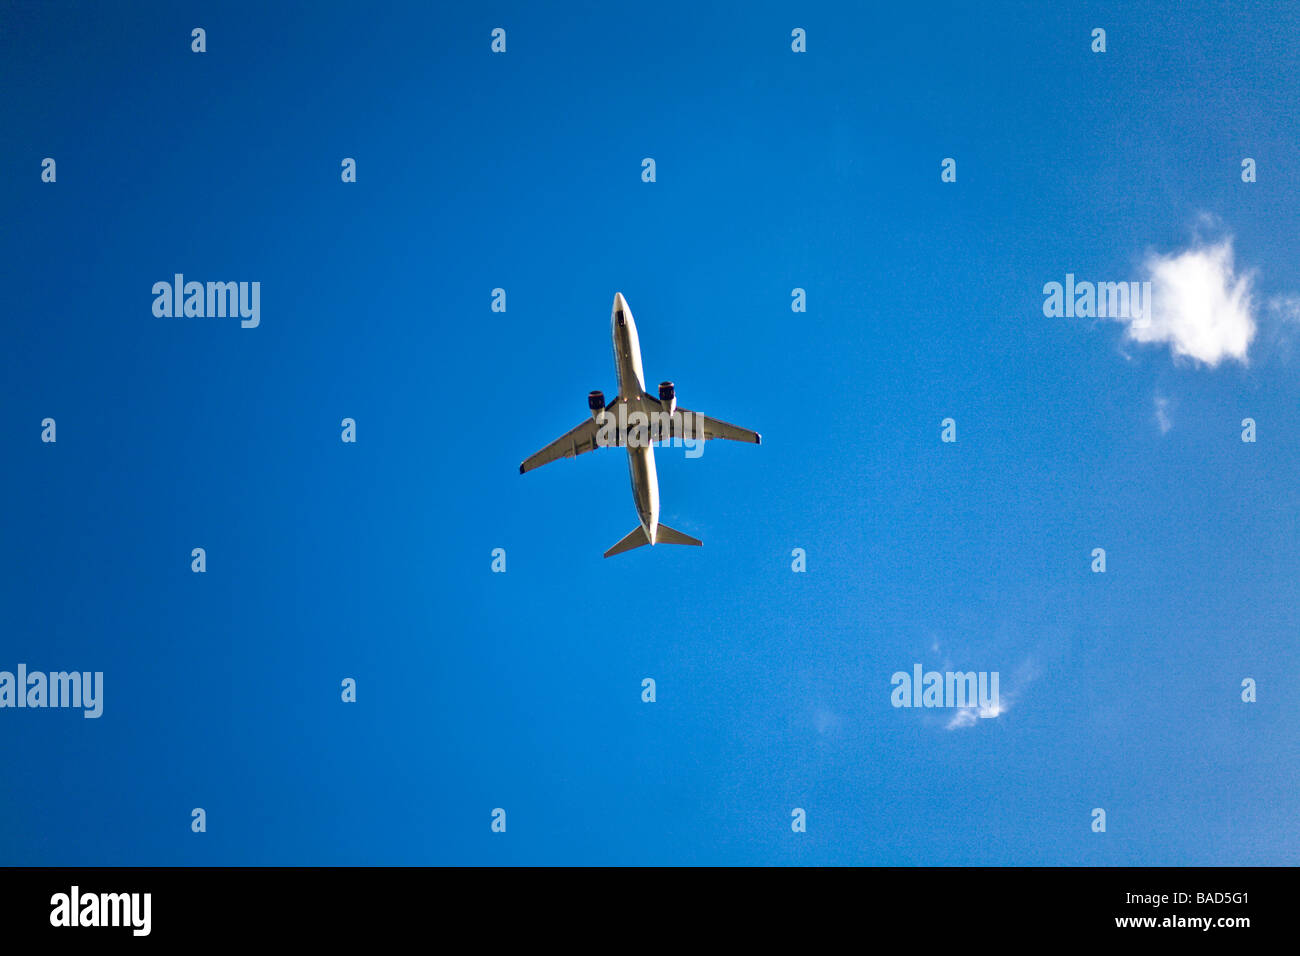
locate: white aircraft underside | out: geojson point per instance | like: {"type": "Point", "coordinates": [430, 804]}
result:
{"type": "Point", "coordinates": [665, 421]}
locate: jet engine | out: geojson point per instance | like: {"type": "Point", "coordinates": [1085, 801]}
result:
{"type": "Point", "coordinates": [668, 397]}
{"type": "Point", "coordinates": [596, 402]}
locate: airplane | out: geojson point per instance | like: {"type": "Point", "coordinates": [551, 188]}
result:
{"type": "Point", "coordinates": [612, 425]}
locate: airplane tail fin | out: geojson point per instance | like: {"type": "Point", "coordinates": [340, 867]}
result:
{"type": "Point", "coordinates": [664, 535]}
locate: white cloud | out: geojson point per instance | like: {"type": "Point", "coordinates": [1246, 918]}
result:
{"type": "Point", "coordinates": [1025, 674]}
{"type": "Point", "coordinates": [967, 716]}
{"type": "Point", "coordinates": [1200, 305]}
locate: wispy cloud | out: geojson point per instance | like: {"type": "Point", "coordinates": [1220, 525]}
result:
{"type": "Point", "coordinates": [826, 721]}
{"type": "Point", "coordinates": [967, 716]}
{"type": "Point", "coordinates": [1024, 675]}
{"type": "Point", "coordinates": [1285, 307]}
{"type": "Point", "coordinates": [1162, 414]}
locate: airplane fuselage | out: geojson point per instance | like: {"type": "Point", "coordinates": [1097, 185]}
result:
{"type": "Point", "coordinates": [632, 394]}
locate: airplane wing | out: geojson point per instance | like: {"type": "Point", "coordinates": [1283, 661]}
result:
{"type": "Point", "coordinates": [686, 424]}
{"type": "Point", "coordinates": [572, 443]}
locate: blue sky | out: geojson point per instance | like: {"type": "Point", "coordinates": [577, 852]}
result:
{"type": "Point", "coordinates": [521, 690]}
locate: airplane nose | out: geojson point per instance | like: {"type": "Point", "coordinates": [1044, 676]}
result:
{"type": "Point", "coordinates": [620, 309]}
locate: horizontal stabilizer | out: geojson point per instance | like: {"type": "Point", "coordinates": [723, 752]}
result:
{"type": "Point", "coordinates": [663, 535]}
{"type": "Point", "coordinates": [634, 539]}
{"type": "Point", "coordinates": [666, 535]}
